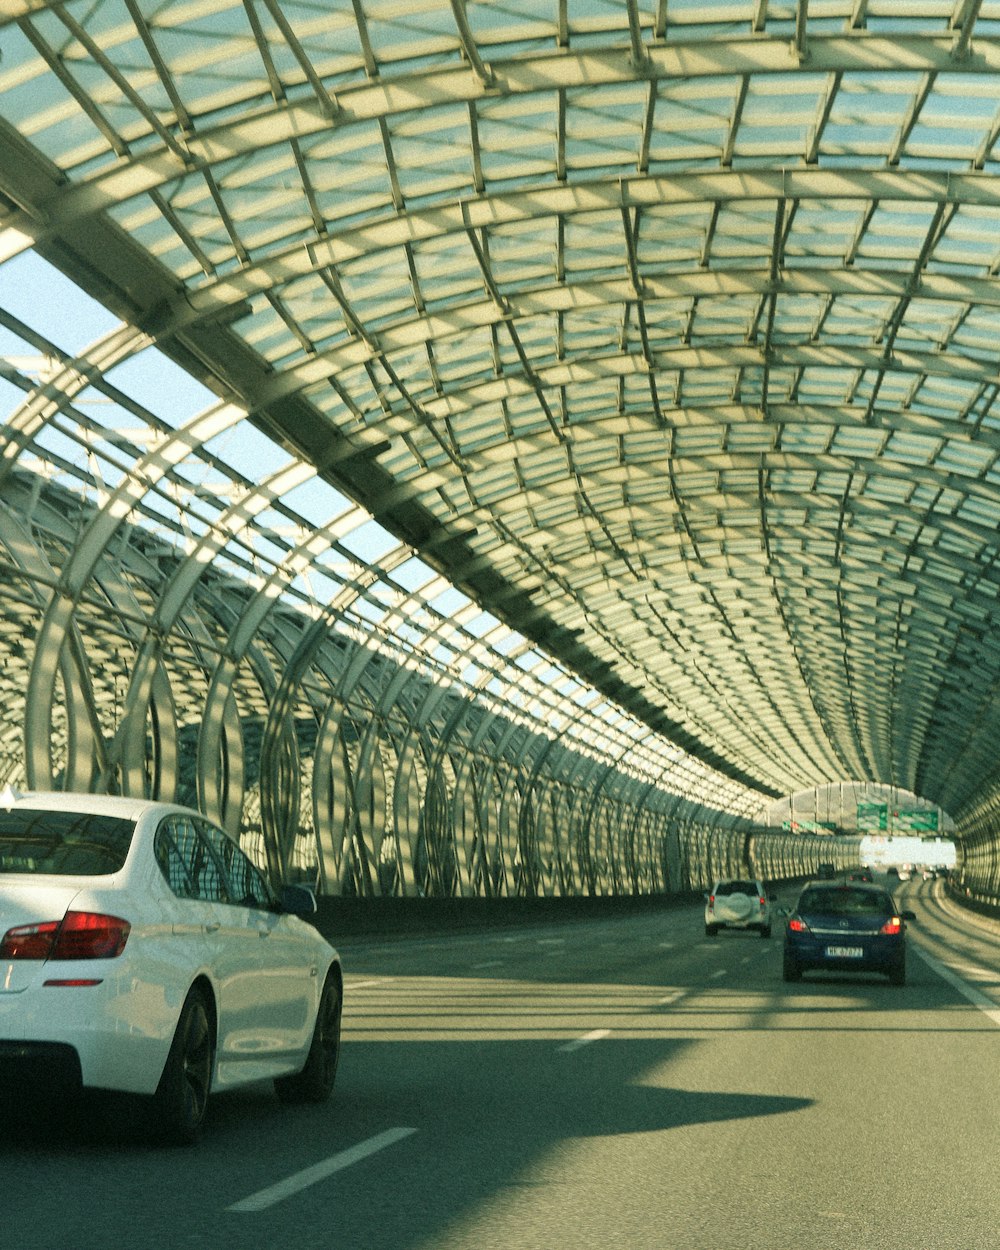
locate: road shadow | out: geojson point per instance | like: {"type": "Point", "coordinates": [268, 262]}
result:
{"type": "Point", "coordinates": [485, 1121]}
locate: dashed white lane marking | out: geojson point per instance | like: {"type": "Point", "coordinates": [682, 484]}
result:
{"type": "Point", "coordinates": [714, 976]}
{"type": "Point", "coordinates": [669, 998]}
{"type": "Point", "coordinates": [490, 963]}
{"type": "Point", "coordinates": [585, 1040]}
{"type": "Point", "coordinates": [298, 1181]}
{"type": "Point", "coordinates": [364, 985]}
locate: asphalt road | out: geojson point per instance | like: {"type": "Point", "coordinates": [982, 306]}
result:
{"type": "Point", "coordinates": [594, 1084]}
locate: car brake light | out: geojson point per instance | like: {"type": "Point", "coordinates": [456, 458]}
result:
{"type": "Point", "coordinates": [711, 901]}
{"type": "Point", "coordinates": [798, 926]}
{"type": "Point", "coordinates": [28, 941]}
{"type": "Point", "coordinates": [893, 925]}
{"type": "Point", "coordinates": [79, 935]}
{"type": "Point", "coordinates": [763, 902]}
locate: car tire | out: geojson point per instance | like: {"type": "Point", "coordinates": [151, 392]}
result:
{"type": "Point", "coordinates": [181, 1098]}
{"type": "Point", "coordinates": [790, 970]}
{"type": "Point", "coordinates": [711, 930]}
{"type": "Point", "coordinates": [765, 930]}
{"type": "Point", "coordinates": [315, 1082]}
{"type": "Point", "coordinates": [898, 974]}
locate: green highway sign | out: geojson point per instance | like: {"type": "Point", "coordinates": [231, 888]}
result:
{"type": "Point", "coordinates": [915, 819]}
{"type": "Point", "coordinates": [873, 817]}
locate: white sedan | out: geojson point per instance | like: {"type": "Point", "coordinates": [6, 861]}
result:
{"type": "Point", "coordinates": [738, 904]}
{"type": "Point", "coordinates": [142, 952]}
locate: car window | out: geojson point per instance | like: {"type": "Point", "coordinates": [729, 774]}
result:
{"type": "Point", "coordinates": [246, 884]}
{"type": "Point", "coordinates": [187, 862]}
{"type": "Point", "coordinates": [841, 902]}
{"type": "Point", "coordinates": [70, 844]}
{"type": "Point", "coordinates": [737, 887]}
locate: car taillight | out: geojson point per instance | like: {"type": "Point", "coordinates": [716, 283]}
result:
{"type": "Point", "coordinates": [79, 935]}
{"type": "Point", "coordinates": [893, 925]}
{"type": "Point", "coordinates": [711, 900]}
{"type": "Point", "coordinates": [29, 941]}
{"type": "Point", "coordinates": [763, 902]}
{"type": "Point", "coordinates": [798, 926]}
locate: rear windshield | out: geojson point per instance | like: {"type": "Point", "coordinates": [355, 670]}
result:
{"type": "Point", "coordinates": [65, 844]}
{"type": "Point", "coordinates": [840, 902]}
{"type": "Point", "coordinates": [737, 887]}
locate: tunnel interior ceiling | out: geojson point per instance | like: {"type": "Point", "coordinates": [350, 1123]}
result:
{"type": "Point", "coordinates": [667, 334]}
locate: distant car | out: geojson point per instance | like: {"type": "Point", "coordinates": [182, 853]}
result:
{"type": "Point", "coordinates": [738, 904]}
{"type": "Point", "coordinates": [849, 927]}
{"type": "Point", "coordinates": [861, 874]}
{"type": "Point", "coordinates": [826, 872]}
{"type": "Point", "coordinates": [142, 952]}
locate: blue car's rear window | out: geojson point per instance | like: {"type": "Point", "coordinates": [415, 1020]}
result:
{"type": "Point", "coordinates": [66, 844]}
{"type": "Point", "coordinates": [843, 901]}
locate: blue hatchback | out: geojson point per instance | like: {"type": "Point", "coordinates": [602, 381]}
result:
{"type": "Point", "coordinates": [846, 927]}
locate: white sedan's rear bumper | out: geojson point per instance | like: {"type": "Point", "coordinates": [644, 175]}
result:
{"type": "Point", "coordinates": [119, 1030]}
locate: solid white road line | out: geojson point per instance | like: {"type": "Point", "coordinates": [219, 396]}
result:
{"type": "Point", "coordinates": [986, 1005]}
{"type": "Point", "coordinates": [585, 1040]}
{"type": "Point", "coordinates": [295, 1183]}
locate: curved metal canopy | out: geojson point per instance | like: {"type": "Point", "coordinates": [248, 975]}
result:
{"type": "Point", "coordinates": [669, 333]}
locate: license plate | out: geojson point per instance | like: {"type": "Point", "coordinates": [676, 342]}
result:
{"type": "Point", "coordinates": [844, 952]}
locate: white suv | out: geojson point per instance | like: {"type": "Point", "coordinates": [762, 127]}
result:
{"type": "Point", "coordinates": [742, 904]}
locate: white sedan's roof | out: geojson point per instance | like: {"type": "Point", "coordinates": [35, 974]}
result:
{"type": "Point", "coordinates": [95, 804]}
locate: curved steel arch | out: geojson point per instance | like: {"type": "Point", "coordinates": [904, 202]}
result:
{"type": "Point", "coordinates": [627, 323]}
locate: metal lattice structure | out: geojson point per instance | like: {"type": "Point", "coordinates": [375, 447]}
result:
{"type": "Point", "coordinates": [629, 368]}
